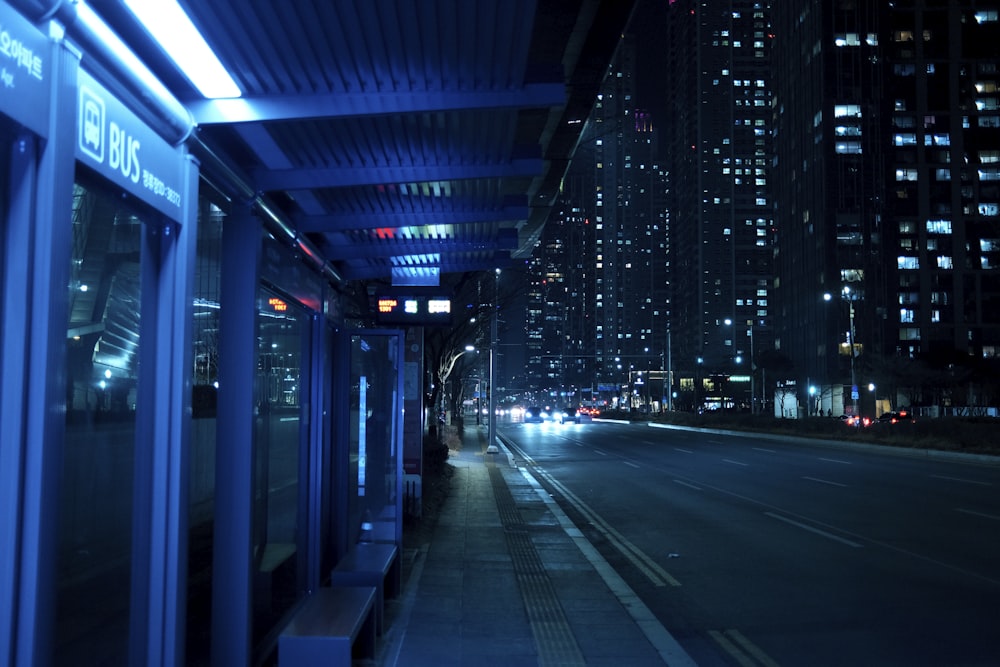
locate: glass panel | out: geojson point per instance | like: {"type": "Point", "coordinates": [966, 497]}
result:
{"type": "Point", "coordinates": [95, 531]}
{"type": "Point", "coordinates": [282, 363]}
{"type": "Point", "coordinates": [205, 332]}
{"type": "Point", "coordinates": [373, 454]}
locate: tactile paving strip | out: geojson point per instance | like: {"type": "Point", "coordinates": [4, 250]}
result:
{"type": "Point", "coordinates": [553, 636]}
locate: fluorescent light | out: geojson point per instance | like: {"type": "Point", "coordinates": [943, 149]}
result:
{"type": "Point", "coordinates": [171, 27]}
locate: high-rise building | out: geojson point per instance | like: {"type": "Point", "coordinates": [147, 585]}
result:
{"type": "Point", "coordinates": [829, 169]}
{"type": "Point", "coordinates": [943, 197]}
{"type": "Point", "coordinates": [887, 137]}
{"type": "Point", "coordinates": [718, 145]}
{"type": "Point", "coordinates": [601, 272]}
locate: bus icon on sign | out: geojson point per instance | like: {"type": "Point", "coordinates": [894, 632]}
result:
{"type": "Point", "coordinates": [91, 129]}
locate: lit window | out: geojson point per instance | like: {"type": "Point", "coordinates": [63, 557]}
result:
{"type": "Point", "coordinates": [907, 263]}
{"type": "Point", "coordinates": [939, 226]}
{"type": "Point", "coordinates": [848, 147]}
{"type": "Point", "coordinates": [944, 262]}
{"type": "Point", "coordinates": [906, 139]}
{"type": "Point", "coordinates": [989, 174]}
{"type": "Point", "coordinates": [847, 111]}
{"type": "Point", "coordinates": [905, 315]}
{"type": "Point", "coordinates": [906, 174]}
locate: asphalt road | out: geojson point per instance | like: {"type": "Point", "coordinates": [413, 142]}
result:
{"type": "Point", "coordinates": [771, 551]}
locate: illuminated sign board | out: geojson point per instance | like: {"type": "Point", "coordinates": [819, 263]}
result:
{"type": "Point", "coordinates": [24, 71]}
{"type": "Point", "coordinates": [417, 310]}
{"type": "Point", "coordinates": [277, 304]}
{"type": "Point", "coordinates": [114, 142]}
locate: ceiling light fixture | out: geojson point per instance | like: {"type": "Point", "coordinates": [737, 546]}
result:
{"type": "Point", "coordinates": [172, 28]}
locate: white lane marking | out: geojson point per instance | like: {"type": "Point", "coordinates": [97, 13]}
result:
{"type": "Point", "coordinates": [744, 651]}
{"type": "Point", "coordinates": [597, 451]}
{"type": "Point", "coordinates": [962, 480]}
{"type": "Point", "coordinates": [735, 463]}
{"type": "Point", "coordinates": [768, 451]}
{"type": "Point", "coordinates": [731, 649]}
{"type": "Point", "coordinates": [666, 644]}
{"type": "Point", "coordinates": [825, 481]}
{"type": "Point", "coordinates": [634, 554]}
{"type": "Point", "coordinates": [846, 463]}
{"type": "Point", "coordinates": [975, 513]}
{"type": "Point", "coordinates": [634, 465]}
{"type": "Point", "coordinates": [686, 451]}
{"type": "Point", "coordinates": [688, 485]}
{"type": "Point", "coordinates": [751, 648]}
{"type": "Point", "coordinates": [813, 530]}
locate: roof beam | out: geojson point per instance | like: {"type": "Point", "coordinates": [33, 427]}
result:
{"type": "Point", "coordinates": [499, 260]}
{"type": "Point", "coordinates": [348, 105]}
{"type": "Point", "coordinates": [337, 251]}
{"type": "Point", "coordinates": [352, 176]}
{"type": "Point", "coordinates": [395, 220]}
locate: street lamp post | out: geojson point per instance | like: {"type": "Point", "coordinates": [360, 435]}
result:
{"type": "Point", "coordinates": [753, 367]}
{"type": "Point", "coordinates": [854, 381]}
{"type": "Point", "coordinates": [846, 294]}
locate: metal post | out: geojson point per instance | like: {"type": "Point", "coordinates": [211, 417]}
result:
{"type": "Point", "coordinates": [753, 368]}
{"type": "Point", "coordinates": [491, 418]}
{"type": "Point", "coordinates": [670, 376]}
{"type": "Point", "coordinates": [854, 382]}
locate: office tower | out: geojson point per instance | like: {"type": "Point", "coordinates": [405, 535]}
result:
{"type": "Point", "coordinates": [718, 145]}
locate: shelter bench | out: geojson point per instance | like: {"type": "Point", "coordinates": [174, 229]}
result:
{"type": "Point", "coordinates": [371, 564]}
{"type": "Point", "coordinates": [331, 626]}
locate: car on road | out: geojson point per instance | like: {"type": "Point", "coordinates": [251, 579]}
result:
{"type": "Point", "coordinates": [537, 415]}
{"type": "Point", "coordinates": [567, 415]}
{"type": "Point", "coordinates": [900, 417]}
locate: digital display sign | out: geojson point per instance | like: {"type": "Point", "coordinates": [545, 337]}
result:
{"type": "Point", "coordinates": [417, 310]}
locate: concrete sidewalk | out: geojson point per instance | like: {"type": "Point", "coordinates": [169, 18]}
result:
{"type": "Point", "coordinates": [507, 580]}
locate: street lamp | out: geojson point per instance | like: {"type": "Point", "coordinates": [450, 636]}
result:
{"type": "Point", "coordinates": [846, 294]}
{"type": "Point", "coordinates": [753, 367]}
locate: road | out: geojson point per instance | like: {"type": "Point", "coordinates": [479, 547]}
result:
{"type": "Point", "coordinates": [772, 551]}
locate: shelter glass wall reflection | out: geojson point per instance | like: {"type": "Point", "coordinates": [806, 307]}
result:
{"type": "Point", "coordinates": [373, 450]}
{"type": "Point", "coordinates": [280, 437]}
{"type": "Point", "coordinates": [102, 374]}
{"type": "Point", "coordinates": [205, 376]}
